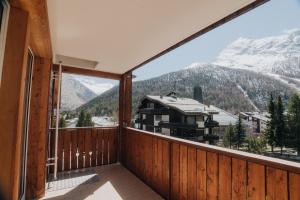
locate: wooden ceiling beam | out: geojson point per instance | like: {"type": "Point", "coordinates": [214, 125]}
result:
{"type": "Point", "coordinates": [88, 72]}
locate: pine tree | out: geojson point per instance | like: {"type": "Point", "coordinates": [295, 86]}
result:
{"type": "Point", "coordinates": [293, 123]}
{"type": "Point", "coordinates": [240, 133]}
{"type": "Point", "coordinates": [88, 120]}
{"type": "Point", "coordinates": [270, 129]}
{"type": "Point", "coordinates": [62, 122]}
{"type": "Point", "coordinates": [81, 119]}
{"type": "Point", "coordinates": [228, 136]}
{"type": "Point", "coordinates": [280, 125]}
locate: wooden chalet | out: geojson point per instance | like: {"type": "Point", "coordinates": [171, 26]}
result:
{"type": "Point", "coordinates": [42, 39]}
{"type": "Point", "coordinates": [175, 116]}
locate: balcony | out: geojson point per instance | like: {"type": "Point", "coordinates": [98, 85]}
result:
{"type": "Point", "coordinates": [115, 162]}
{"type": "Point", "coordinates": [177, 125]}
{"type": "Point", "coordinates": [173, 168]}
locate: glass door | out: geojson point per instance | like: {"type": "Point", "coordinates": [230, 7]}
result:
{"type": "Point", "coordinates": [24, 138]}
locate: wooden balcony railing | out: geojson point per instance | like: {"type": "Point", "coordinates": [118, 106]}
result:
{"type": "Point", "coordinates": [85, 147]}
{"type": "Point", "coordinates": [180, 169]}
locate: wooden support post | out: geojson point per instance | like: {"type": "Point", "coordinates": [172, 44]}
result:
{"type": "Point", "coordinates": [125, 105]}
{"type": "Point", "coordinates": [38, 126]}
{"type": "Point", "coordinates": [12, 92]}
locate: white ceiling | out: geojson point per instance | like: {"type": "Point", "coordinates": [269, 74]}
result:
{"type": "Point", "coordinates": [118, 35]}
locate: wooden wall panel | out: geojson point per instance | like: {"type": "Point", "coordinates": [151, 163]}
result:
{"type": "Point", "coordinates": [166, 168]}
{"type": "Point", "coordinates": [192, 171]}
{"type": "Point", "coordinates": [294, 183]}
{"type": "Point", "coordinates": [175, 172]}
{"type": "Point", "coordinates": [224, 177]}
{"type": "Point", "coordinates": [60, 146]}
{"type": "Point", "coordinates": [239, 177]}
{"type": "Point", "coordinates": [212, 175]}
{"type": "Point", "coordinates": [67, 150]}
{"type": "Point", "coordinates": [201, 174]}
{"type": "Point", "coordinates": [74, 148]}
{"type": "Point", "coordinates": [12, 96]}
{"type": "Point", "coordinates": [277, 187]}
{"type": "Point", "coordinates": [183, 172]}
{"type": "Point", "coordinates": [256, 181]}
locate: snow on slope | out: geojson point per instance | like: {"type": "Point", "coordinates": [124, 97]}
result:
{"type": "Point", "coordinates": [247, 96]}
{"type": "Point", "coordinates": [94, 84]}
{"type": "Point", "coordinates": [277, 54]}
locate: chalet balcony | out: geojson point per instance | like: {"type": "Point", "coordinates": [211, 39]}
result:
{"type": "Point", "coordinates": [177, 125]}
{"type": "Point", "coordinates": [110, 39]}
{"type": "Point", "coordinates": [94, 163]}
{"type": "Point", "coordinates": [155, 111]}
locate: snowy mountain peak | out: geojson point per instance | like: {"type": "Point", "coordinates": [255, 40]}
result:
{"type": "Point", "coordinates": [94, 84]}
{"type": "Point", "coordinates": [276, 54]}
{"type": "Point", "coordinates": [196, 65]}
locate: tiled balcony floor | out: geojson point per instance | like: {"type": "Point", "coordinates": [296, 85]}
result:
{"type": "Point", "coordinates": [108, 182]}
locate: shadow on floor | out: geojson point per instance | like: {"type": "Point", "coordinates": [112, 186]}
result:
{"type": "Point", "coordinates": [108, 182]}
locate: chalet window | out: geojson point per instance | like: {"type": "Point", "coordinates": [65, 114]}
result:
{"type": "Point", "coordinates": [150, 105]}
{"type": "Point", "coordinates": [199, 118]}
{"type": "Point", "coordinates": [158, 117]}
{"type": "Point", "coordinates": [190, 120]}
{"type": "Point", "coordinates": [4, 11]}
{"type": "Point", "coordinates": [165, 118]}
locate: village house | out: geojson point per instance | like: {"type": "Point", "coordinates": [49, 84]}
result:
{"type": "Point", "coordinates": [255, 122]}
{"type": "Point", "coordinates": [175, 116]}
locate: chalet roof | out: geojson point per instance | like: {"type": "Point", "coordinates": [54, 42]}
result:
{"type": "Point", "coordinates": [257, 115]}
{"type": "Point", "coordinates": [184, 105]}
{"type": "Point", "coordinates": [223, 117]}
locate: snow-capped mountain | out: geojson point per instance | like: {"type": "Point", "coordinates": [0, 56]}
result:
{"type": "Point", "coordinates": [276, 55]}
{"type": "Point", "coordinates": [196, 65]}
{"type": "Point", "coordinates": [241, 78]}
{"type": "Point", "coordinates": [74, 93]}
{"type": "Point", "coordinates": [94, 84]}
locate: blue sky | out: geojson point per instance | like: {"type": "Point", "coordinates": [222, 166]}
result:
{"type": "Point", "coordinates": [270, 19]}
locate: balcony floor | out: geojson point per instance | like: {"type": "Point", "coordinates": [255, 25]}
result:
{"type": "Point", "coordinates": [108, 182]}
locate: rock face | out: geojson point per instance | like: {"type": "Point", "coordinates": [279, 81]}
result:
{"type": "Point", "coordinates": [73, 93]}
{"type": "Point", "coordinates": [240, 79]}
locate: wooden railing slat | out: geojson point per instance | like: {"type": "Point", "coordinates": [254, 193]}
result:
{"type": "Point", "coordinates": [74, 149]}
{"type": "Point", "coordinates": [201, 174]}
{"type": "Point", "coordinates": [294, 182]}
{"type": "Point", "coordinates": [67, 148]}
{"type": "Point", "coordinates": [175, 172]}
{"type": "Point", "coordinates": [94, 145]}
{"type": "Point", "coordinates": [60, 143]}
{"type": "Point", "coordinates": [256, 182]}
{"type": "Point", "coordinates": [192, 171]}
{"type": "Point", "coordinates": [212, 175]}
{"type": "Point", "coordinates": [239, 179]}
{"type": "Point", "coordinates": [224, 177]}
{"type": "Point", "coordinates": [183, 172]}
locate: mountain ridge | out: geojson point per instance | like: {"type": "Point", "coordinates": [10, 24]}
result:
{"type": "Point", "coordinates": [240, 79]}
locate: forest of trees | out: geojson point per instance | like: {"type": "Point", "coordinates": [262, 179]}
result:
{"type": "Point", "coordinates": [235, 135]}
{"type": "Point", "coordinates": [84, 119]}
{"type": "Point", "coordinates": [282, 130]}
